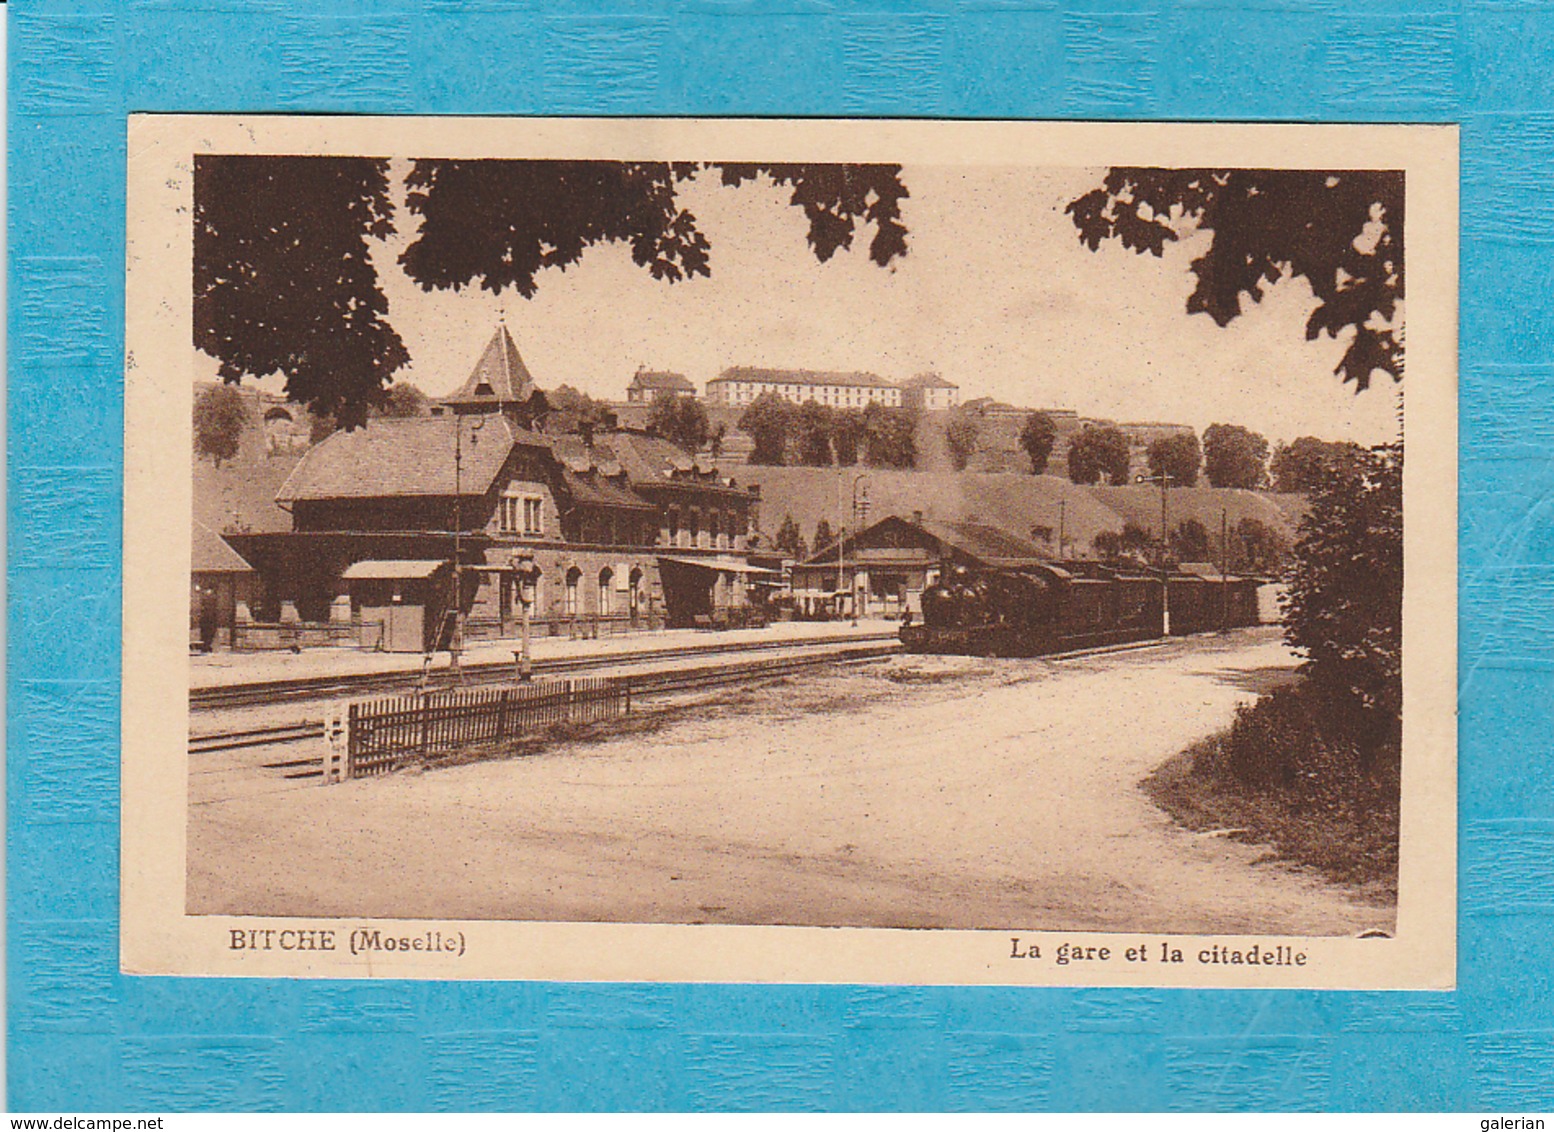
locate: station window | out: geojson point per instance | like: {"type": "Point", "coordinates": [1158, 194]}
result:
{"type": "Point", "coordinates": [522, 514]}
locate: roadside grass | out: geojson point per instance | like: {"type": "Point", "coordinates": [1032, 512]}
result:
{"type": "Point", "coordinates": [1274, 779]}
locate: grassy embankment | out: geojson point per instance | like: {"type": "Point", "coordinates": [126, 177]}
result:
{"type": "Point", "coordinates": [1289, 774]}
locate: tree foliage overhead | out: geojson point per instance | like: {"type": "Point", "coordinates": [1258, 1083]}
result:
{"type": "Point", "coordinates": [220, 416]}
{"type": "Point", "coordinates": [284, 280]}
{"type": "Point", "coordinates": [1037, 436]}
{"type": "Point", "coordinates": [1234, 456]}
{"type": "Point", "coordinates": [1177, 456]}
{"type": "Point", "coordinates": [1340, 230]}
{"type": "Point", "coordinates": [1098, 451]}
{"type": "Point", "coordinates": [501, 222]}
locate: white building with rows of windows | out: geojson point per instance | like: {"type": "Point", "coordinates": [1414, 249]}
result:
{"type": "Point", "coordinates": [741, 385]}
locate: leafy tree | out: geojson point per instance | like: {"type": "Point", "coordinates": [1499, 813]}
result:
{"type": "Point", "coordinates": [1037, 436]}
{"type": "Point", "coordinates": [813, 423]}
{"type": "Point", "coordinates": [1257, 548]}
{"type": "Point", "coordinates": [715, 441]}
{"type": "Point", "coordinates": [220, 417]}
{"type": "Point", "coordinates": [572, 410]}
{"type": "Point", "coordinates": [1098, 451]}
{"type": "Point", "coordinates": [1234, 457]}
{"type": "Point", "coordinates": [1340, 230]}
{"type": "Point", "coordinates": [790, 540]}
{"type": "Point", "coordinates": [322, 428]}
{"type": "Point", "coordinates": [678, 419]}
{"type": "Point", "coordinates": [823, 536]}
{"type": "Point", "coordinates": [284, 279]}
{"type": "Point", "coordinates": [1301, 464]}
{"type": "Point", "coordinates": [960, 437]}
{"type": "Point", "coordinates": [768, 422]}
{"type": "Point", "coordinates": [1107, 546]}
{"type": "Point", "coordinates": [1345, 608]}
{"type": "Point", "coordinates": [1177, 456]}
{"type": "Point", "coordinates": [847, 435]}
{"type": "Point", "coordinates": [889, 437]}
{"type": "Point", "coordinates": [1190, 541]}
{"type": "Point", "coordinates": [402, 399]}
{"type": "Point", "coordinates": [1137, 542]}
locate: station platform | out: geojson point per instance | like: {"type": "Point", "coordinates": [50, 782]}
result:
{"type": "Point", "coordinates": [235, 669]}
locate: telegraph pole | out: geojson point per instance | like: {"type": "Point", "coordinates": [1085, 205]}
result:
{"type": "Point", "coordinates": [858, 523]}
{"type": "Point", "coordinates": [456, 638]}
{"type": "Point", "coordinates": [1164, 480]}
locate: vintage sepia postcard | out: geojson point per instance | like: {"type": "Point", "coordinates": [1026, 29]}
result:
{"type": "Point", "coordinates": [790, 551]}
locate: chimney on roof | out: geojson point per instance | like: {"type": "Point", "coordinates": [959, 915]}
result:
{"type": "Point", "coordinates": [917, 518]}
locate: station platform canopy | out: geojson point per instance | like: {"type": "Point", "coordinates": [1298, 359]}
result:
{"type": "Point", "coordinates": [720, 564]}
{"type": "Point", "coordinates": [393, 569]}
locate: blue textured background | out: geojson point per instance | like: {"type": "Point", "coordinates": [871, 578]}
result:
{"type": "Point", "coordinates": [82, 1037]}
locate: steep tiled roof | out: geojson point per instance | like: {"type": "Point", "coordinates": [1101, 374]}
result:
{"type": "Point", "coordinates": [212, 554]}
{"type": "Point", "coordinates": [803, 377]}
{"type": "Point", "coordinates": [593, 489]}
{"type": "Point", "coordinates": [987, 543]}
{"type": "Point", "coordinates": [656, 380]}
{"type": "Point", "coordinates": [498, 377]}
{"type": "Point", "coordinates": [391, 457]}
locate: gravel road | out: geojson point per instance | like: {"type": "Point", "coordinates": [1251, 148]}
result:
{"type": "Point", "coordinates": [917, 792]}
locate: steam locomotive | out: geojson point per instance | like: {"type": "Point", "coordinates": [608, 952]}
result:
{"type": "Point", "coordinates": [1035, 610]}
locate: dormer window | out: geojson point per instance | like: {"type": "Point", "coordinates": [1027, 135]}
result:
{"type": "Point", "coordinates": [522, 512]}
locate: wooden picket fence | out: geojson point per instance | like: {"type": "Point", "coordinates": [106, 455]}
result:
{"type": "Point", "coordinates": [379, 736]}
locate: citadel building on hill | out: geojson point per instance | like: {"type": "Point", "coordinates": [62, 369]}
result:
{"type": "Point", "coordinates": [741, 385]}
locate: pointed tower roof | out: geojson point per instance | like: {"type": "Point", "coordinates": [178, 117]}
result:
{"type": "Point", "coordinates": [499, 379]}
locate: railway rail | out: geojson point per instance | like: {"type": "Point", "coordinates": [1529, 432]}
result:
{"type": "Point", "coordinates": [655, 683]}
{"type": "Point", "coordinates": [474, 675]}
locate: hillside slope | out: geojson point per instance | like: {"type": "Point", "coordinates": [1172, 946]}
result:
{"type": "Point", "coordinates": [1017, 502]}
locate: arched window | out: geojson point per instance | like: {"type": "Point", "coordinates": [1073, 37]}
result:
{"type": "Point", "coordinates": [606, 589]}
{"type": "Point", "coordinates": [574, 576]}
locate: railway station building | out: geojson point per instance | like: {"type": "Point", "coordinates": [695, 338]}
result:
{"type": "Point", "coordinates": [883, 569]}
{"type": "Point", "coordinates": [437, 513]}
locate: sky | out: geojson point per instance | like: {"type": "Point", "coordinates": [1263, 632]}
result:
{"type": "Point", "coordinates": [996, 293]}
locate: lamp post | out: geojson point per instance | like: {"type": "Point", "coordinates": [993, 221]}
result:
{"type": "Point", "coordinates": [1164, 480]}
{"type": "Point", "coordinates": [860, 514]}
{"type": "Point", "coordinates": [456, 638]}
{"type": "Point", "coordinates": [1062, 515]}
{"type": "Point", "coordinates": [527, 572]}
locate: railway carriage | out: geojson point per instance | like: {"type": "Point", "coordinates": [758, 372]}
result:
{"type": "Point", "coordinates": [1038, 609]}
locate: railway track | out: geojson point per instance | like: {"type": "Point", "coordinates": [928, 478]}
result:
{"type": "Point", "coordinates": [647, 684]}
{"type": "Point", "coordinates": [474, 675]}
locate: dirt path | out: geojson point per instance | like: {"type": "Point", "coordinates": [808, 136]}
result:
{"type": "Point", "coordinates": [932, 793]}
